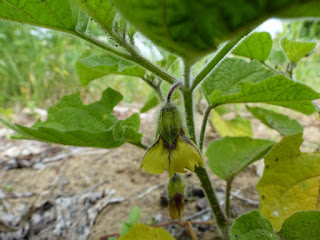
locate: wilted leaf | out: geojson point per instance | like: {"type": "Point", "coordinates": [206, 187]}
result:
{"type": "Point", "coordinates": [282, 123]}
{"type": "Point", "coordinates": [302, 225]}
{"type": "Point", "coordinates": [230, 73]}
{"type": "Point", "coordinates": [290, 182]}
{"type": "Point", "coordinates": [70, 122]}
{"type": "Point", "coordinates": [90, 68]}
{"type": "Point", "coordinates": [237, 127]}
{"type": "Point", "coordinates": [143, 232]}
{"type": "Point", "coordinates": [296, 50]}
{"type": "Point", "coordinates": [194, 28]}
{"type": "Point", "coordinates": [230, 155]}
{"type": "Point", "coordinates": [277, 90]}
{"type": "Point", "coordinates": [256, 46]}
{"type": "Point", "coordinates": [252, 226]}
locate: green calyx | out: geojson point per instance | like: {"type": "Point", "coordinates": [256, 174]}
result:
{"type": "Point", "coordinates": [176, 185]}
{"type": "Point", "coordinates": [170, 122]}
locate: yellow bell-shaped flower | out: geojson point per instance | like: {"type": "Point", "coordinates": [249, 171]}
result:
{"type": "Point", "coordinates": [181, 154]}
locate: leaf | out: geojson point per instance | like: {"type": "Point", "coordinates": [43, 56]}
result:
{"type": "Point", "coordinates": [256, 46]}
{"type": "Point", "coordinates": [237, 127]}
{"type": "Point", "coordinates": [90, 68]}
{"type": "Point", "coordinates": [192, 29]}
{"type": "Point", "coordinates": [277, 57]}
{"type": "Point", "coordinates": [252, 226]}
{"type": "Point", "coordinates": [60, 15]}
{"type": "Point", "coordinates": [302, 225]}
{"type": "Point", "coordinates": [230, 155]}
{"type": "Point", "coordinates": [296, 50]}
{"type": "Point", "coordinates": [143, 232]}
{"type": "Point", "coordinates": [70, 122]}
{"type": "Point", "coordinates": [281, 123]}
{"type": "Point", "coordinates": [134, 217]}
{"type": "Point", "coordinates": [152, 102]}
{"type": "Point", "coordinates": [277, 90]}
{"type": "Point", "coordinates": [290, 181]}
{"type": "Point", "coordinates": [232, 72]}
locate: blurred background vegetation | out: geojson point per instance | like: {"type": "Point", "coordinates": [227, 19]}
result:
{"type": "Point", "coordinates": [37, 66]}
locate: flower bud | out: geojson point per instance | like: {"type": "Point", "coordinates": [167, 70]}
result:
{"type": "Point", "coordinates": [176, 188]}
{"type": "Point", "coordinates": [170, 122]}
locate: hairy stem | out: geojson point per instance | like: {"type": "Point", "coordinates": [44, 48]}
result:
{"type": "Point", "coordinates": [203, 126]}
{"type": "Point", "coordinates": [140, 145]}
{"type": "Point", "coordinates": [156, 87]}
{"type": "Point", "coordinates": [200, 171]}
{"type": "Point", "coordinates": [174, 87]}
{"type": "Point", "coordinates": [216, 60]}
{"type": "Point", "coordinates": [227, 198]}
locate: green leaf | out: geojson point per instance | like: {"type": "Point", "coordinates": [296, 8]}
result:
{"type": "Point", "coordinates": [60, 15]}
{"type": "Point", "coordinates": [194, 28]}
{"type": "Point", "coordinates": [134, 217]}
{"type": "Point", "coordinates": [252, 226]}
{"type": "Point", "coordinates": [277, 57]}
{"type": "Point", "coordinates": [90, 68]}
{"type": "Point", "coordinates": [277, 90]}
{"type": "Point", "coordinates": [232, 72]}
{"type": "Point", "coordinates": [302, 225]}
{"type": "Point", "coordinates": [70, 122]}
{"type": "Point", "coordinates": [282, 123]}
{"type": "Point", "coordinates": [290, 181]}
{"type": "Point", "coordinates": [230, 155]}
{"type": "Point", "coordinates": [256, 46]}
{"type": "Point", "coordinates": [296, 50]}
{"type": "Point", "coordinates": [143, 232]}
{"type": "Point", "coordinates": [237, 127]}
{"type": "Point", "coordinates": [152, 102]}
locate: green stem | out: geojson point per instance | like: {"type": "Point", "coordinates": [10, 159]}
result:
{"type": "Point", "coordinates": [140, 145]}
{"type": "Point", "coordinates": [155, 87]}
{"type": "Point", "coordinates": [200, 171]}
{"type": "Point", "coordinates": [216, 60]}
{"type": "Point", "coordinates": [203, 126]}
{"type": "Point", "coordinates": [227, 198]}
{"type": "Point", "coordinates": [220, 217]}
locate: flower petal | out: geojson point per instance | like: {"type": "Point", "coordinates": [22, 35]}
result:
{"type": "Point", "coordinates": [156, 159]}
{"type": "Point", "coordinates": [185, 155]}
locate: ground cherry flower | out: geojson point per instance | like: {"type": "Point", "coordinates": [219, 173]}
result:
{"type": "Point", "coordinates": [172, 151]}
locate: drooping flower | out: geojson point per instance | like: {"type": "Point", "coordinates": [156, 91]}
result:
{"type": "Point", "coordinates": [176, 188]}
{"type": "Point", "coordinates": [172, 151]}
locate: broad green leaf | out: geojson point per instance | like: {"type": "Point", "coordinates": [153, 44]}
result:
{"type": "Point", "coordinates": [90, 68]}
{"type": "Point", "coordinates": [282, 123]}
{"type": "Point", "coordinates": [152, 102]}
{"type": "Point", "coordinates": [232, 72]}
{"type": "Point", "coordinates": [194, 28]}
{"type": "Point", "coordinates": [134, 217]}
{"type": "Point", "coordinates": [290, 181]}
{"type": "Point", "coordinates": [277, 57]}
{"type": "Point", "coordinates": [60, 15]}
{"type": "Point", "coordinates": [302, 225]}
{"type": "Point", "coordinates": [252, 226]}
{"type": "Point", "coordinates": [277, 90]}
{"type": "Point", "coordinates": [296, 50]}
{"type": "Point", "coordinates": [230, 155]}
{"type": "Point", "coordinates": [70, 122]}
{"type": "Point", "coordinates": [256, 46]}
{"type": "Point", "coordinates": [143, 232]}
{"type": "Point", "coordinates": [237, 127]}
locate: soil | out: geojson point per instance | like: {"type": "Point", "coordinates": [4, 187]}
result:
{"type": "Point", "coordinates": [118, 169]}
